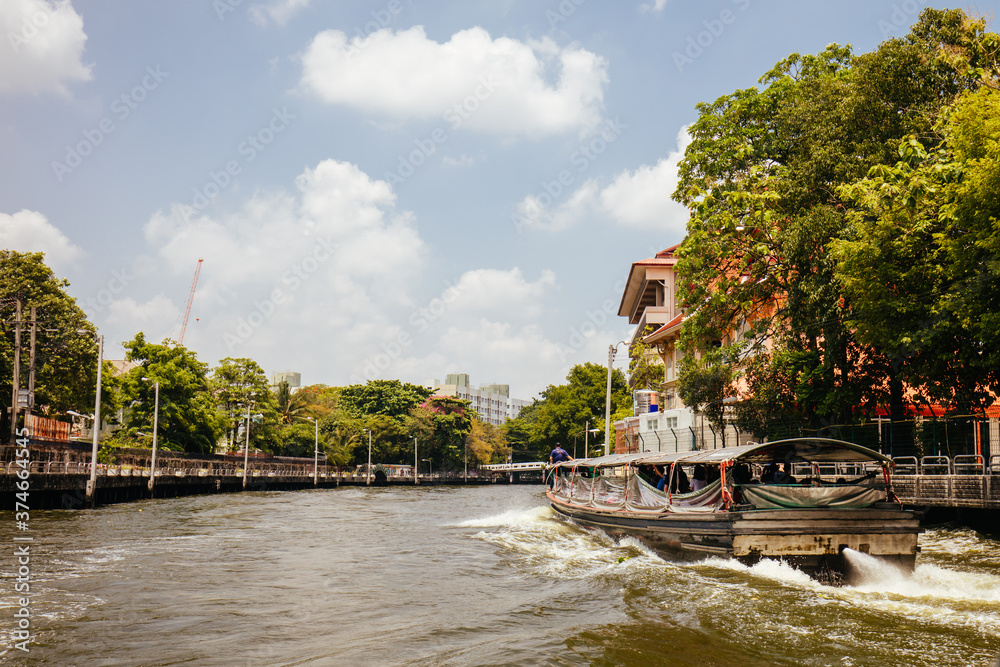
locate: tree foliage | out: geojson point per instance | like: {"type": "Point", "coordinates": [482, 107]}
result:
{"type": "Point", "coordinates": [240, 386]}
{"type": "Point", "coordinates": [920, 269]}
{"type": "Point", "coordinates": [391, 398]}
{"type": "Point", "coordinates": [189, 420]}
{"type": "Point", "coordinates": [65, 347]}
{"type": "Point", "coordinates": [764, 178]}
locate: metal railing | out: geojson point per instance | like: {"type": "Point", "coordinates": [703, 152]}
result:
{"type": "Point", "coordinates": [963, 464]}
{"type": "Point", "coordinates": [189, 470]}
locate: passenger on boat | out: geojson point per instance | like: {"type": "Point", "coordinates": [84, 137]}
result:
{"type": "Point", "coordinates": [767, 477]}
{"type": "Point", "coordinates": [559, 454]}
{"type": "Point", "coordinates": [662, 473]}
{"type": "Point", "coordinates": [698, 481]}
{"type": "Point", "coordinates": [784, 476]}
{"type": "Point", "coordinates": [680, 482]}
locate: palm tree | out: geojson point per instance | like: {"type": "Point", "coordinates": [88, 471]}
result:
{"type": "Point", "coordinates": [339, 446]}
{"type": "Point", "coordinates": [292, 407]}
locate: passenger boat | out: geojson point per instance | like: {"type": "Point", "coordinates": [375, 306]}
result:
{"type": "Point", "coordinates": [819, 498]}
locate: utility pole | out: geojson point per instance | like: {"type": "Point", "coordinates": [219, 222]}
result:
{"type": "Point", "coordinates": [156, 427]}
{"type": "Point", "coordinates": [607, 403]}
{"type": "Point", "coordinates": [17, 371]}
{"type": "Point", "coordinates": [92, 482]}
{"type": "Point", "coordinates": [31, 366]}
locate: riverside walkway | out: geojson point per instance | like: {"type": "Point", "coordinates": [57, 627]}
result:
{"type": "Point", "coordinates": [62, 484]}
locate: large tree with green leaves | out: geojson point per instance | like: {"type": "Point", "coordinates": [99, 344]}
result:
{"type": "Point", "coordinates": [562, 413]}
{"type": "Point", "coordinates": [391, 398]}
{"type": "Point", "coordinates": [240, 386]}
{"type": "Point", "coordinates": [761, 178]}
{"type": "Point", "coordinates": [189, 419]}
{"type": "Point", "coordinates": [65, 346]}
{"type": "Point", "coordinates": [920, 271]}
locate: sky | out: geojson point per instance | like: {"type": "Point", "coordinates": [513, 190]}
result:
{"type": "Point", "coordinates": [386, 189]}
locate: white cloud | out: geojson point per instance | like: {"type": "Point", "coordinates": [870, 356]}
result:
{"type": "Point", "coordinates": [657, 6]}
{"type": "Point", "coordinates": [156, 314]}
{"type": "Point", "coordinates": [277, 11]}
{"type": "Point", "coordinates": [30, 231]}
{"type": "Point", "coordinates": [327, 265]}
{"type": "Point", "coordinates": [639, 198]}
{"type": "Point", "coordinates": [44, 47]}
{"type": "Point", "coordinates": [493, 85]}
{"type": "Point", "coordinates": [642, 198]}
{"type": "Point", "coordinates": [502, 292]}
{"type": "Point", "coordinates": [533, 213]}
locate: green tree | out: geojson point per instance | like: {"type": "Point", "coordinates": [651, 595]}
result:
{"type": "Point", "coordinates": [65, 348]}
{"type": "Point", "coordinates": [920, 271]}
{"type": "Point", "coordinates": [189, 419]}
{"type": "Point", "coordinates": [441, 427]}
{"type": "Point", "coordinates": [761, 179]}
{"type": "Point", "coordinates": [239, 385]}
{"type": "Point", "coordinates": [564, 410]}
{"type": "Point", "coordinates": [485, 443]}
{"type": "Point", "coordinates": [391, 398]}
{"type": "Point", "coordinates": [645, 367]}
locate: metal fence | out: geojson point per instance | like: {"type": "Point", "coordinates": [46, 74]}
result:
{"type": "Point", "coordinates": [920, 437]}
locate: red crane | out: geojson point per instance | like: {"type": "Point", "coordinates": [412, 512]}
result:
{"type": "Point", "coordinates": [187, 311]}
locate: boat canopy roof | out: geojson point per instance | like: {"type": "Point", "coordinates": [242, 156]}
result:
{"type": "Point", "coordinates": [810, 450]}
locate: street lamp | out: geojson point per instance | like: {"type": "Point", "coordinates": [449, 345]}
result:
{"type": "Point", "coordinates": [430, 468]}
{"type": "Point", "coordinates": [607, 401]}
{"type": "Point", "coordinates": [156, 421]}
{"type": "Point", "coordinates": [246, 450]}
{"type": "Point", "coordinates": [368, 472]}
{"type": "Point", "coordinates": [92, 482]}
{"type": "Point", "coordinates": [316, 462]}
{"type": "Point", "coordinates": [415, 471]}
{"type": "Point", "coordinates": [586, 435]}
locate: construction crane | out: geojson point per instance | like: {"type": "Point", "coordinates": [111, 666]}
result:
{"type": "Point", "coordinates": [187, 311]}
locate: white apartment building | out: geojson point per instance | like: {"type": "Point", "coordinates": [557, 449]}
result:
{"type": "Point", "coordinates": [492, 402]}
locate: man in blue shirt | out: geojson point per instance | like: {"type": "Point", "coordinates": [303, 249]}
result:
{"type": "Point", "coordinates": [559, 454]}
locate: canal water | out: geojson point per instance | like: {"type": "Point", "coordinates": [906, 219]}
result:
{"type": "Point", "coordinates": [461, 576]}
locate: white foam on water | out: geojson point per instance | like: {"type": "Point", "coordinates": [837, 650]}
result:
{"type": "Point", "coordinates": [553, 547]}
{"type": "Point", "coordinates": [926, 581]}
{"type": "Point", "coordinates": [512, 518]}
{"type": "Point", "coordinates": [775, 570]}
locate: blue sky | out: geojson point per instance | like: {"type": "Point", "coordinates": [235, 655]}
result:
{"type": "Point", "coordinates": [394, 188]}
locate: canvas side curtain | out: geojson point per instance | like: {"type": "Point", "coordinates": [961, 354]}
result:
{"type": "Point", "coordinates": [774, 496]}
{"type": "Point", "coordinates": [707, 499]}
{"type": "Point", "coordinates": [609, 492]}
{"type": "Point", "coordinates": [644, 497]}
{"type": "Point", "coordinates": [561, 487]}
{"type": "Point", "coordinates": [582, 490]}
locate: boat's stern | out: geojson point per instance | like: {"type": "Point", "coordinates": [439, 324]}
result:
{"type": "Point", "coordinates": [816, 540]}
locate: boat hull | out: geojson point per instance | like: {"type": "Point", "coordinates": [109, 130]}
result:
{"type": "Point", "coordinates": [813, 540]}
